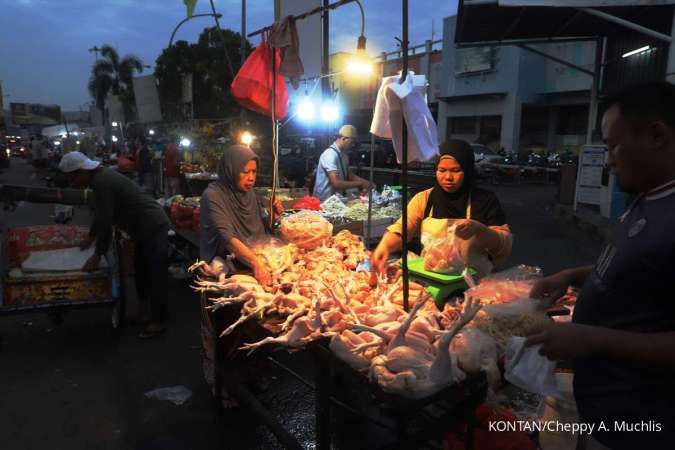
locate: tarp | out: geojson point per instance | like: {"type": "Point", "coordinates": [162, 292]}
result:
{"type": "Point", "coordinates": [584, 3]}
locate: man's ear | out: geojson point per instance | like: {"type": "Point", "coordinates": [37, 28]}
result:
{"type": "Point", "coordinates": [660, 136]}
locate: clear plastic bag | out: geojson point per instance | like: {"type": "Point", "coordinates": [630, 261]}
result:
{"type": "Point", "coordinates": [275, 254]}
{"type": "Point", "coordinates": [440, 253]}
{"type": "Point", "coordinates": [507, 286]}
{"type": "Point", "coordinates": [306, 229]}
{"type": "Point", "coordinates": [526, 368]}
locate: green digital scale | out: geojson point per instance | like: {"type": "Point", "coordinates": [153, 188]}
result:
{"type": "Point", "coordinates": [439, 285]}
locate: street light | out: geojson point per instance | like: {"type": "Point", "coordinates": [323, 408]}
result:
{"type": "Point", "coordinates": [114, 138]}
{"type": "Point", "coordinates": [151, 132]}
{"type": "Point", "coordinates": [185, 142]}
{"type": "Point", "coordinates": [360, 64]}
{"type": "Point", "coordinates": [114, 124]}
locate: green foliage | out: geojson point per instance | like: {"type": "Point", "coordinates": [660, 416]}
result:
{"type": "Point", "coordinates": [211, 77]}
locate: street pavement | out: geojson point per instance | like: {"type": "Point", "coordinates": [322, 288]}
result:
{"type": "Point", "coordinates": [79, 385]}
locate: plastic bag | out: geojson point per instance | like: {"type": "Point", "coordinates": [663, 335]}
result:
{"type": "Point", "coordinates": [275, 254]}
{"type": "Point", "coordinates": [252, 86]}
{"type": "Point", "coordinates": [440, 253]}
{"type": "Point", "coordinates": [503, 321]}
{"type": "Point", "coordinates": [174, 394]}
{"type": "Point", "coordinates": [306, 229]}
{"type": "Point", "coordinates": [308, 202]}
{"type": "Point", "coordinates": [507, 286]}
{"type": "Point", "coordinates": [527, 369]}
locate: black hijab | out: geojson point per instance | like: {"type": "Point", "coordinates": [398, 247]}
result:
{"type": "Point", "coordinates": [485, 206]}
{"type": "Point", "coordinates": [453, 205]}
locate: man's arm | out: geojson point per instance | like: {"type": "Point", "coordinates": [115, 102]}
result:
{"type": "Point", "coordinates": [354, 177]}
{"type": "Point", "coordinates": [570, 340]}
{"type": "Point", "coordinates": [104, 205]}
{"type": "Point", "coordinates": [341, 185]}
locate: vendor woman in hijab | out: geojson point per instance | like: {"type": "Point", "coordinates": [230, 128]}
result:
{"type": "Point", "coordinates": [231, 216]}
{"type": "Point", "coordinates": [480, 223]}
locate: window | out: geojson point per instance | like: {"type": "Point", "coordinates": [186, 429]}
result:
{"type": "Point", "coordinates": [462, 125]}
{"type": "Point", "coordinates": [573, 119]}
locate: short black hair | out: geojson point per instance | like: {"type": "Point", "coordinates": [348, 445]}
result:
{"type": "Point", "coordinates": [646, 102]}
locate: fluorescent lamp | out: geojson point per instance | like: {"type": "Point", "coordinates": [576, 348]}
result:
{"type": "Point", "coordinates": [635, 52]}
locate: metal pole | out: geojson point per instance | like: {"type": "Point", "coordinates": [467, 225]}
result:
{"type": "Point", "coordinates": [627, 24]}
{"type": "Point", "coordinates": [593, 105]}
{"type": "Point", "coordinates": [216, 16]}
{"type": "Point", "coordinates": [670, 67]}
{"type": "Point", "coordinates": [404, 164]}
{"type": "Point", "coordinates": [275, 149]}
{"type": "Point", "coordinates": [173, 34]}
{"type": "Point", "coordinates": [325, 64]}
{"type": "Point", "coordinates": [370, 191]}
{"type": "Point", "coordinates": [242, 50]}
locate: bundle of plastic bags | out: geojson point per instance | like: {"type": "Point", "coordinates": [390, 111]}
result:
{"type": "Point", "coordinates": [306, 229]}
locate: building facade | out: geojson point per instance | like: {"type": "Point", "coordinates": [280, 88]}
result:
{"type": "Point", "coordinates": [513, 99]}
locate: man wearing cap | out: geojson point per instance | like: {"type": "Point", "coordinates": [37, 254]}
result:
{"type": "Point", "coordinates": [333, 174]}
{"type": "Point", "coordinates": [121, 202]}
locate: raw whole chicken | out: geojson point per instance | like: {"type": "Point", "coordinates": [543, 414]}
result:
{"type": "Point", "coordinates": [319, 295]}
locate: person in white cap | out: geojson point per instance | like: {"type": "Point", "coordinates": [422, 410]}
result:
{"type": "Point", "coordinates": [333, 174]}
{"type": "Point", "coordinates": [120, 202]}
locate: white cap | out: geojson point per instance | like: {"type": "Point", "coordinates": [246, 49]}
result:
{"type": "Point", "coordinates": [73, 161]}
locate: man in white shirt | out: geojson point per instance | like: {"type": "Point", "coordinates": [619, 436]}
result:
{"type": "Point", "coordinates": [333, 174]}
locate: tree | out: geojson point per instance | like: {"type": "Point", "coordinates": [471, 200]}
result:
{"type": "Point", "coordinates": [114, 75]}
{"type": "Point", "coordinates": [211, 77]}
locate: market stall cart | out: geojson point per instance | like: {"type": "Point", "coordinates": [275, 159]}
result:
{"type": "Point", "coordinates": [28, 290]}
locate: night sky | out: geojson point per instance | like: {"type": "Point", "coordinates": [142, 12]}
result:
{"type": "Point", "coordinates": [43, 43]}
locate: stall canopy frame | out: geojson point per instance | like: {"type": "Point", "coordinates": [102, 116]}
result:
{"type": "Point", "coordinates": [523, 22]}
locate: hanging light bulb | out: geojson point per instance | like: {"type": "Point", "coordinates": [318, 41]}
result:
{"type": "Point", "coordinates": [330, 112]}
{"type": "Point", "coordinates": [306, 110]}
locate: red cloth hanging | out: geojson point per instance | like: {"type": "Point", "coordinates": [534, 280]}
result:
{"type": "Point", "coordinates": [252, 86]}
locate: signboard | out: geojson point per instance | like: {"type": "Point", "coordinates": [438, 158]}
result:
{"type": "Point", "coordinates": [147, 99]}
{"type": "Point", "coordinates": [589, 177]}
{"type": "Point", "coordinates": [35, 114]}
{"type": "Point", "coordinates": [473, 59]}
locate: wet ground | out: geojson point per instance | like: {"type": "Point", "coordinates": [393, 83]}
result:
{"type": "Point", "coordinates": [79, 385]}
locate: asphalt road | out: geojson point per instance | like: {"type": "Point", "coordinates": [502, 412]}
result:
{"type": "Point", "coordinates": [81, 386]}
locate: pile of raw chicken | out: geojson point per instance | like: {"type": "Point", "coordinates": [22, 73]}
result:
{"type": "Point", "coordinates": [318, 294]}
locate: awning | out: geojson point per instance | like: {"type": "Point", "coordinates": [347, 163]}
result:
{"type": "Point", "coordinates": [485, 22]}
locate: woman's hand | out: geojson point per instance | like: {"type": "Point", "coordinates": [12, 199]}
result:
{"type": "Point", "coordinates": [378, 259]}
{"type": "Point", "coordinates": [261, 274]}
{"type": "Point", "coordinates": [467, 229]}
{"type": "Point", "coordinates": [278, 209]}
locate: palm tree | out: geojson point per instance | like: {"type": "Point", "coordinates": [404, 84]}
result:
{"type": "Point", "coordinates": [114, 75]}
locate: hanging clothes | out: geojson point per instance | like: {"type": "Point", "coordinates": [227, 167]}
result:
{"type": "Point", "coordinates": [396, 102]}
{"type": "Point", "coordinates": [284, 36]}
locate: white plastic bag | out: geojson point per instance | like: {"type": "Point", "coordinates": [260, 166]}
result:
{"type": "Point", "coordinates": [527, 369]}
{"type": "Point", "coordinates": [440, 253]}
{"type": "Point", "coordinates": [174, 394]}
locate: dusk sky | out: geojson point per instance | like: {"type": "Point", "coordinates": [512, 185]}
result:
{"type": "Point", "coordinates": [43, 43]}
